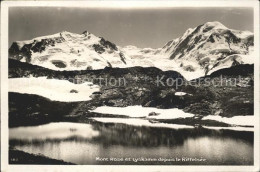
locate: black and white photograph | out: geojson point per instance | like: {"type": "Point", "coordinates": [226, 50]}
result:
{"type": "Point", "coordinates": [130, 84]}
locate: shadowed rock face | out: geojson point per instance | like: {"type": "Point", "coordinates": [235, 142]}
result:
{"type": "Point", "coordinates": [98, 48]}
{"type": "Point", "coordinates": [59, 64]}
{"type": "Point", "coordinates": [108, 44]}
{"type": "Point", "coordinates": [16, 52]}
{"type": "Point", "coordinates": [13, 49]}
{"type": "Point", "coordinates": [184, 44]}
{"type": "Point", "coordinates": [122, 57]}
{"type": "Point", "coordinates": [104, 44]}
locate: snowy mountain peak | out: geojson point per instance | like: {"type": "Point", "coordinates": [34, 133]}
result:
{"type": "Point", "coordinates": [215, 24]}
{"type": "Point", "coordinates": [209, 47]}
{"type": "Point", "coordinates": [86, 33]}
{"type": "Point", "coordinates": [69, 51]}
{"type": "Point", "coordinates": [188, 31]}
{"type": "Point", "coordinates": [199, 51]}
{"type": "Point", "coordinates": [64, 31]}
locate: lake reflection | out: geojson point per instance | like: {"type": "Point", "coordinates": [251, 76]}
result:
{"type": "Point", "coordinates": [82, 143]}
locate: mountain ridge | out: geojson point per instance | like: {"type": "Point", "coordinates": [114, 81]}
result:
{"type": "Point", "coordinates": [66, 50]}
{"type": "Point", "coordinates": [199, 51]}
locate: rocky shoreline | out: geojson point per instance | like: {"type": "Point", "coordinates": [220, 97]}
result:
{"type": "Point", "coordinates": [21, 157]}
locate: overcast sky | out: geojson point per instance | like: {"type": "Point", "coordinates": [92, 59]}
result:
{"type": "Point", "coordinates": [139, 27]}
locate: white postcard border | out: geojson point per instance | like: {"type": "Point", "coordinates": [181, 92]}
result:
{"type": "Point", "coordinates": [120, 4]}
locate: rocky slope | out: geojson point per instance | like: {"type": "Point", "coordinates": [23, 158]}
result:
{"type": "Point", "coordinates": [21, 157]}
{"type": "Point", "coordinates": [201, 99]}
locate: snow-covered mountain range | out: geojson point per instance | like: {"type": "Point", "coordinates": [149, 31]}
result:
{"type": "Point", "coordinates": [69, 51]}
{"type": "Point", "coordinates": [199, 51]}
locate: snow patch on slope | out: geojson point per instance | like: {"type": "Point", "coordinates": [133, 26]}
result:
{"type": "Point", "coordinates": [53, 89]}
{"type": "Point", "coordinates": [236, 120]}
{"type": "Point", "coordinates": [144, 122]}
{"type": "Point", "coordinates": [139, 111]}
{"type": "Point", "coordinates": [141, 122]}
{"type": "Point", "coordinates": [230, 128]}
